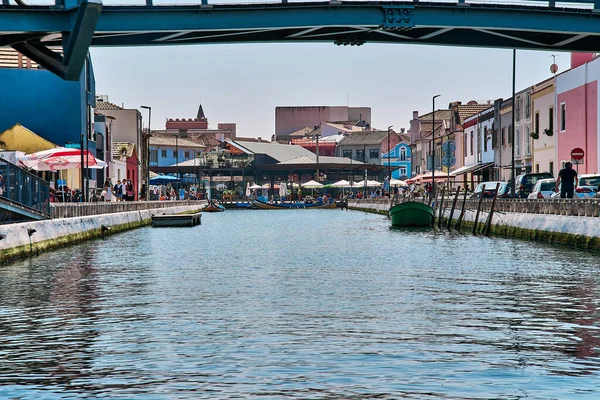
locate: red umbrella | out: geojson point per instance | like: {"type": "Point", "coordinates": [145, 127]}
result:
{"type": "Point", "coordinates": [60, 158]}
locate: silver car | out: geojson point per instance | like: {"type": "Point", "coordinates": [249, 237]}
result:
{"type": "Point", "coordinates": [543, 189]}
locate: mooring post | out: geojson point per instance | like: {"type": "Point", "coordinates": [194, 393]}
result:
{"type": "Point", "coordinates": [453, 207]}
{"type": "Point", "coordinates": [433, 204]}
{"type": "Point", "coordinates": [477, 213]}
{"type": "Point", "coordinates": [441, 206]}
{"type": "Point", "coordinates": [488, 224]}
{"type": "Point", "coordinates": [462, 212]}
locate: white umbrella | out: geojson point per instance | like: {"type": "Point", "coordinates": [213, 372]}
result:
{"type": "Point", "coordinates": [255, 186]}
{"type": "Point", "coordinates": [398, 182]}
{"type": "Point", "coordinates": [312, 185]}
{"type": "Point", "coordinates": [283, 189]}
{"type": "Point", "coordinates": [369, 183]}
{"type": "Point", "coordinates": [60, 158]}
{"type": "Point", "coordinates": [342, 184]}
{"type": "Point", "coordinates": [248, 189]}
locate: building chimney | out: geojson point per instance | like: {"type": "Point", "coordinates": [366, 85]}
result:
{"type": "Point", "coordinates": [415, 115]}
{"type": "Point", "coordinates": [258, 139]}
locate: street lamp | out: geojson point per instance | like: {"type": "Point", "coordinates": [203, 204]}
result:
{"type": "Point", "coordinates": [148, 152]}
{"type": "Point", "coordinates": [389, 157]}
{"type": "Point", "coordinates": [433, 145]}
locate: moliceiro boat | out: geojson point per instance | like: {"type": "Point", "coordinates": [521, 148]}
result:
{"type": "Point", "coordinates": [213, 206]}
{"type": "Point", "coordinates": [411, 214]}
{"type": "Point", "coordinates": [289, 206]}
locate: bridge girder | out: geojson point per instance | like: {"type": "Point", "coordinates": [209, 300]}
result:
{"type": "Point", "coordinates": [32, 29]}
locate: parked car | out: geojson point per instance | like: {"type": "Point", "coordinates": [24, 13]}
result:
{"type": "Point", "coordinates": [487, 188]}
{"type": "Point", "coordinates": [543, 189]}
{"type": "Point", "coordinates": [524, 182]}
{"type": "Point", "coordinates": [587, 186]}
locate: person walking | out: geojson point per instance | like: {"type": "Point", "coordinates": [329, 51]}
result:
{"type": "Point", "coordinates": [568, 177]}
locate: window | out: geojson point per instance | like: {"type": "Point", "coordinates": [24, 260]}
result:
{"type": "Point", "coordinates": [563, 117]}
{"type": "Point", "coordinates": [551, 167]}
{"type": "Point", "coordinates": [485, 138]}
{"type": "Point", "coordinates": [536, 124]}
{"type": "Point", "coordinates": [402, 171]}
{"type": "Point", "coordinates": [403, 154]}
{"type": "Point", "coordinates": [510, 133]}
{"type": "Point", "coordinates": [551, 118]}
{"type": "Point", "coordinates": [517, 143]}
{"type": "Point", "coordinates": [373, 153]}
{"type": "Point", "coordinates": [154, 156]}
{"type": "Point", "coordinates": [360, 155]}
{"type": "Point", "coordinates": [519, 108]}
{"type": "Point", "coordinates": [163, 154]}
{"type": "Point", "coordinates": [527, 106]}
{"type": "Point", "coordinates": [465, 144]}
{"type": "Point", "coordinates": [174, 153]}
{"type": "Point", "coordinates": [186, 154]}
{"type": "Point", "coordinates": [537, 166]}
{"type": "Point", "coordinates": [347, 154]}
{"type": "Point", "coordinates": [471, 143]}
{"type": "Point", "coordinates": [503, 136]}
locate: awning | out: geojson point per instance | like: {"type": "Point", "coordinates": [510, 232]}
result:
{"type": "Point", "coordinates": [471, 168]}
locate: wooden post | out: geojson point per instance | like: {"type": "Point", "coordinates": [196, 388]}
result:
{"type": "Point", "coordinates": [440, 207]}
{"type": "Point", "coordinates": [433, 203]}
{"type": "Point", "coordinates": [453, 207]}
{"type": "Point", "coordinates": [462, 212]}
{"type": "Point", "coordinates": [488, 224]}
{"type": "Point", "coordinates": [477, 213]}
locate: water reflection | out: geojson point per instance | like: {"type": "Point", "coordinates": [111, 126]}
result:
{"type": "Point", "coordinates": [306, 304]}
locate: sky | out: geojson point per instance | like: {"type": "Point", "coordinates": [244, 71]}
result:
{"type": "Point", "coordinates": [243, 83]}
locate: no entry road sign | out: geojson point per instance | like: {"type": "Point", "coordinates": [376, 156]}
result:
{"type": "Point", "coordinates": [577, 153]}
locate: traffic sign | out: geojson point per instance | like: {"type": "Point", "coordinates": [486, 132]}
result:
{"type": "Point", "coordinates": [448, 160]}
{"type": "Point", "coordinates": [577, 153]}
{"type": "Point", "coordinates": [448, 146]}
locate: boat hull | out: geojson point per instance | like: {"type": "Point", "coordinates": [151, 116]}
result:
{"type": "Point", "coordinates": [411, 214]}
{"type": "Point", "coordinates": [213, 207]}
{"type": "Point", "coordinates": [289, 206]}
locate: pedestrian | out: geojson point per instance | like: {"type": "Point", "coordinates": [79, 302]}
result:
{"type": "Point", "coordinates": [129, 192]}
{"type": "Point", "coordinates": [568, 177]}
{"type": "Point", "coordinates": [182, 194]}
{"type": "Point", "coordinates": [143, 192]}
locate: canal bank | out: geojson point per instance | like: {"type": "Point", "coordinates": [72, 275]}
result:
{"type": "Point", "coordinates": [570, 227]}
{"type": "Point", "coordinates": [23, 239]}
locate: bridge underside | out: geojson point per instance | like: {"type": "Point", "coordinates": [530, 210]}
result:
{"type": "Point", "coordinates": [33, 30]}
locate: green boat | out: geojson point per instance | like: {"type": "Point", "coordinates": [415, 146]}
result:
{"type": "Point", "coordinates": [410, 214]}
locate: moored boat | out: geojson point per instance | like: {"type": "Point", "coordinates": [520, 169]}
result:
{"type": "Point", "coordinates": [290, 206]}
{"type": "Point", "coordinates": [212, 206]}
{"type": "Point", "coordinates": [411, 214]}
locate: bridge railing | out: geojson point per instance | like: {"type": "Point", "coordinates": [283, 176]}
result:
{"type": "Point", "coordinates": [584, 4]}
{"type": "Point", "coordinates": [23, 187]}
{"type": "Point", "coordinates": [71, 210]}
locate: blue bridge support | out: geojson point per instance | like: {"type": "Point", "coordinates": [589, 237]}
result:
{"type": "Point", "coordinates": [74, 25]}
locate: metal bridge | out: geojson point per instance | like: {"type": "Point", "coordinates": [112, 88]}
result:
{"type": "Point", "coordinates": [74, 25]}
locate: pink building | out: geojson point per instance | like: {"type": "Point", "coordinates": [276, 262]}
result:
{"type": "Point", "coordinates": [577, 112]}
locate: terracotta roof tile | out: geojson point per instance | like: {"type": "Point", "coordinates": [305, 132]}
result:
{"type": "Point", "coordinates": [107, 105]}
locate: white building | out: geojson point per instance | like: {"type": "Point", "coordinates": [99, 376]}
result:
{"type": "Point", "coordinates": [544, 146]}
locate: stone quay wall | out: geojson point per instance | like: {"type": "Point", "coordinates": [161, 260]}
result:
{"type": "Point", "coordinates": [16, 240]}
{"type": "Point", "coordinates": [574, 223]}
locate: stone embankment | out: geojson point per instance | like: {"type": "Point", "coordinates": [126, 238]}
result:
{"type": "Point", "coordinates": [571, 222]}
{"type": "Point", "coordinates": [22, 239]}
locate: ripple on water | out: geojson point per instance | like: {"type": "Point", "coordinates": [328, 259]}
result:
{"type": "Point", "coordinates": [301, 304]}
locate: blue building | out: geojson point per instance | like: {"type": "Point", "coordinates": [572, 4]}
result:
{"type": "Point", "coordinates": [399, 158]}
{"type": "Point", "coordinates": [58, 110]}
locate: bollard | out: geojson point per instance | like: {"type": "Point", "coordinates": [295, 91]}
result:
{"type": "Point", "coordinates": [588, 209]}
{"type": "Point", "coordinates": [595, 208]}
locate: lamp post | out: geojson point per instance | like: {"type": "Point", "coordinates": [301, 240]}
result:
{"type": "Point", "coordinates": [433, 145]}
{"type": "Point", "coordinates": [314, 133]}
{"type": "Point", "coordinates": [148, 152]}
{"type": "Point", "coordinates": [389, 158]}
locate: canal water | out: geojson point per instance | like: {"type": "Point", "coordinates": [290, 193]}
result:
{"type": "Point", "coordinates": [311, 304]}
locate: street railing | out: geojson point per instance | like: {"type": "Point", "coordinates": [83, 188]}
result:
{"type": "Point", "coordinates": [570, 207]}
{"type": "Point", "coordinates": [23, 187]}
{"type": "Point", "coordinates": [70, 210]}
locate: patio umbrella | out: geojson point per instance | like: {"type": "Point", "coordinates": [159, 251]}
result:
{"type": "Point", "coordinates": [369, 183]}
{"type": "Point", "coordinates": [283, 189]}
{"type": "Point", "coordinates": [312, 185]}
{"type": "Point", "coordinates": [255, 186]}
{"type": "Point", "coordinates": [398, 182]}
{"type": "Point", "coordinates": [248, 193]}
{"type": "Point", "coordinates": [341, 184]}
{"type": "Point", "coordinates": [60, 158]}
{"type": "Point", "coordinates": [164, 180]}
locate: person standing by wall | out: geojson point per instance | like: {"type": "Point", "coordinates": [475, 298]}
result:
{"type": "Point", "coordinates": [568, 177]}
